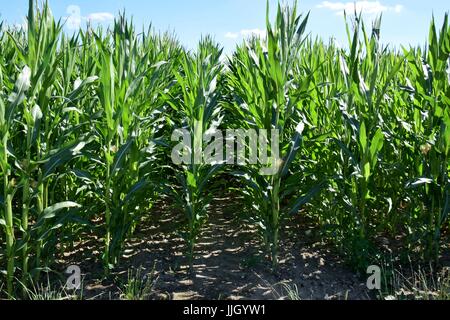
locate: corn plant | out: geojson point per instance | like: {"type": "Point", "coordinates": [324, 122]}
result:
{"type": "Point", "coordinates": [196, 109]}
{"type": "Point", "coordinates": [131, 79]}
{"type": "Point", "coordinates": [362, 139]}
{"type": "Point", "coordinates": [267, 95]}
{"type": "Point", "coordinates": [6, 122]}
{"type": "Point", "coordinates": [48, 145]}
{"type": "Point", "coordinates": [430, 131]}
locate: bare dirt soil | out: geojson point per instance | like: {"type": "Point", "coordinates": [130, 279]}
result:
{"type": "Point", "coordinates": [229, 264]}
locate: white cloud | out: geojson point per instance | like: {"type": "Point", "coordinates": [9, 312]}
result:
{"type": "Point", "coordinates": [366, 7]}
{"type": "Point", "coordinates": [231, 35]}
{"type": "Point", "coordinates": [251, 32]}
{"type": "Point", "coordinates": [245, 33]}
{"type": "Point", "coordinates": [75, 19]}
{"type": "Point", "coordinates": [100, 17]}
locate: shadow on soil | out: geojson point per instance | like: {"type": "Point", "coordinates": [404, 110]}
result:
{"type": "Point", "coordinates": [229, 263]}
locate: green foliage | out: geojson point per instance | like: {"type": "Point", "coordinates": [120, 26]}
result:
{"type": "Point", "coordinates": [86, 123]}
{"type": "Point", "coordinates": [196, 108]}
{"type": "Point", "coordinates": [267, 94]}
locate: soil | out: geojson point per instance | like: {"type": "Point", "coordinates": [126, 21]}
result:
{"type": "Point", "coordinates": [229, 262]}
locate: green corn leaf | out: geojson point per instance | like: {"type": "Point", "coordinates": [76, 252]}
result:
{"type": "Point", "coordinates": [295, 146]}
{"type": "Point", "coordinates": [206, 177]}
{"type": "Point", "coordinates": [191, 181]}
{"type": "Point", "coordinates": [135, 190]}
{"type": "Point", "coordinates": [61, 157]}
{"type": "Point", "coordinates": [366, 171]}
{"type": "Point", "coordinates": [75, 94]}
{"type": "Point", "coordinates": [446, 209]}
{"type": "Point", "coordinates": [2, 114]}
{"type": "Point", "coordinates": [51, 211]}
{"type": "Point", "coordinates": [120, 156]}
{"type": "Point", "coordinates": [307, 197]}
{"type": "Point", "coordinates": [363, 136]}
{"type": "Point", "coordinates": [375, 146]}
{"type": "Point", "coordinates": [347, 151]}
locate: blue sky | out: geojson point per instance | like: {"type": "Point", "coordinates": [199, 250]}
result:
{"type": "Point", "coordinates": [404, 22]}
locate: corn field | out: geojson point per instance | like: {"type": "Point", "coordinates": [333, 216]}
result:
{"type": "Point", "coordinates": [86, 125]}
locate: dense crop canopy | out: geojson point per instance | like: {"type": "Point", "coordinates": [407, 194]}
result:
{"type": "Point", "coordinates": [357, 139]}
